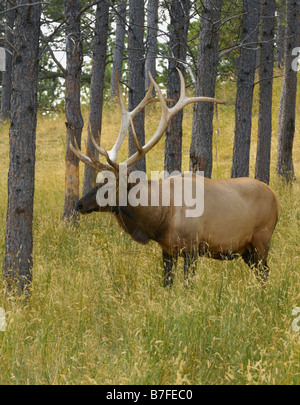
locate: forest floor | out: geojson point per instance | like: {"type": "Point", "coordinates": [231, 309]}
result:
{"type": "Point", "coordinates": [99, 314]}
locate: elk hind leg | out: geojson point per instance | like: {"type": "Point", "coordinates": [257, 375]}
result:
{"type": "Point", "coordinates": [248, 256]}
{"type": "Point", "coordinates": [190, 263]}
{"type": "Point", "coordinates": [260, 254]}
{"type": "Point", "coordinates": [169, 262]}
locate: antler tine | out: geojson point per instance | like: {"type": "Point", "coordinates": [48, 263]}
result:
{"type": "Point", "coordinates": [125, 120]}
{"type": "Point", "coordinates": [93, 164]}
{"type": "Point", "coordinates": [96, 162]}
{"type": "Point", "coordinates": [182, 85]}
{"type": "Point", "coordinates": [112, 154]}
{"type": "Point", "coordinates": [103, 152]}
{"type": "Point", "coordinates": [137, 144]}
{"type": "Point", "coordinates": [159, 93]}
{"type": "Point", "coordinates": [164, 122]}
{"type": "Point", "coordinates": [167, 114]}
{"type": "Point", "coordinates": [112, 164]}
{"type": "Point", "coordinates": [184, 100]}
{"type": "Point", "coordinates": [97, 147]}
{"type": "Point", "coordinates": [146, 100]}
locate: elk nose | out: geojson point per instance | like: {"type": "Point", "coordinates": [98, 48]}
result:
{"type": "Point", "coordinates": [78, 206]}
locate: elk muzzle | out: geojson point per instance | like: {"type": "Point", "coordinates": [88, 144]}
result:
{"type": "Point", "coordinates": [88, 203]}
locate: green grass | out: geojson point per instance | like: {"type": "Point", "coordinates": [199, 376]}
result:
{"type": "Point", "coordinates": [98, 312]}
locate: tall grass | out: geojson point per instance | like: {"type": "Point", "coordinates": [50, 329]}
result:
{"type": "Point", "coordinates": [98, 312]}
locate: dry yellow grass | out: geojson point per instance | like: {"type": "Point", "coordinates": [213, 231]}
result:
{"type": "Point", "coordinates": [98, 312]}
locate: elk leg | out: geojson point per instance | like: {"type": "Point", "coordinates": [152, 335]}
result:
{"type": "Point", "coordinates": [189, 266]}
{"type": "Point", "coordinates": [260, 254]}
{"type": "Point", "coordinates": [248, 257]}
{"type": "Point", "coordinates": [169, 264]}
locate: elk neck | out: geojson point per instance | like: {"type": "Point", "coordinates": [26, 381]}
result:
{"type": "Point", "coordinates": [143, 223]}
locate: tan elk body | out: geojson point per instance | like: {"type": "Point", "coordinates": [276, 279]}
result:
{"type": "Point", "coordinates": [239, 215]}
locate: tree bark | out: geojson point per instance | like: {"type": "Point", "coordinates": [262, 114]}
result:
{"type": "Point", "coordinates": [136, 62]}
{"type": "Point", "coordinates": [245, 86]}
{"type": "Point", "coordinates": [151, 43]}
{"type": "Point", "coordinates": [6, 75]}
{"type": "Point", "coordinates": [179, 24]}
{"type": "Point", "coordinates": [22, 136]}
{"type": "Point", "coordinates": [262, 168]}
{"type": "Point", "coordinates": [97, 88]}
{"type": "Point", "coordinates": [74, 119]}
{"type": "Point", "coordinates": [280, 33]}
{"type": "Point", "coordinates": [202, 133]}
{"type": "Point", "coordinates": [118, 48]}
{"type": "Point", "coordinates": [286, 122]}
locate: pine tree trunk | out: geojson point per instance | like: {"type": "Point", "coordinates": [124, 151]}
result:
{"type": "Point", "coordinates": [180, 13]}
{"type": "Point", "coordinates": [118, 48]}
{"type": "Point", "coordinates": [22, 135]}
{"type": "Point", "coordinates": [136, 62]}
{"type": "Point", "coordinates": [74, 119]}
{"type": "Point", "coordinates": [245, 85]}
{"type": "Point", "coordinates": [262, 168]}
{"type": "Point", "coordinates": [202, 133]}
{"type": "Point", "coordinates": [6, 75]}
{"type": "Point", "coordinates": [286, 122]}
{"type": "Point", "coordinates": [280, 33]}
{"type": "Point", "coordinates": [151, 54]}
{"type": "Point", "coordinates": [97, 88]}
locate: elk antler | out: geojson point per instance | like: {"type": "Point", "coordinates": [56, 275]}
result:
{"type": "Point", "coordinates": [127, 119]}
{"type": "Point", "coordinates": [166, 115]}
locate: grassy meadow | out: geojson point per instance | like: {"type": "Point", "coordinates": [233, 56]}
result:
{"type": "Point", "coordinates": [99, 314]}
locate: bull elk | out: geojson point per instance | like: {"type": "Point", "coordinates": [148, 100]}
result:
{"type": "Point", "coordinates": [239, 214]}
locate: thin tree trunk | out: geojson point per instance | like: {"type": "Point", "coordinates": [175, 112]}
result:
{"type": "Point", "coordinates": [118, 48]}
{"type": "Point", "coordinates": [6, 75]}
{"type": "Point", "coordinates": [280, 33]}
{"type": "Point", "coordinates": [151, 54]}
{"type": "Point", "coordinates": [202, 133]}
{"type": "Point", "coordinates": [298, 29]}
{"type": "Point", "coordinates": [286, 122]}
{"type": "Point", "coordinates": [22, 135]}
{"type": "Point", "coordinates": [136, 62]}
{"type": "Point", "coordinates": [74, 119]}
{"type": "Point", "coordinates": [262, 168]}
{"type": "Point", "coordinates": [245, 86]}
{"type": "Point", "coordinates": [180, 13]}
{"type": "Point", "coordinates": [97, 88]}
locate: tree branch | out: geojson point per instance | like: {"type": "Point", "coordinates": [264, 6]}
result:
{"type": "Point", "coordinates": [12, 46]}
{"type": "Point", "coordinates": [64, 71]}
{"type": "Point", "coordinates": [243, 44]}
{"type": "Point", "coordinates": [50, 37]}
{"type": "Point", "coordinates": [267, 78]}
{"type": "Point", "coordinates": [85, 8]}
{"type": "Point", "coordinates": [23, 5]}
